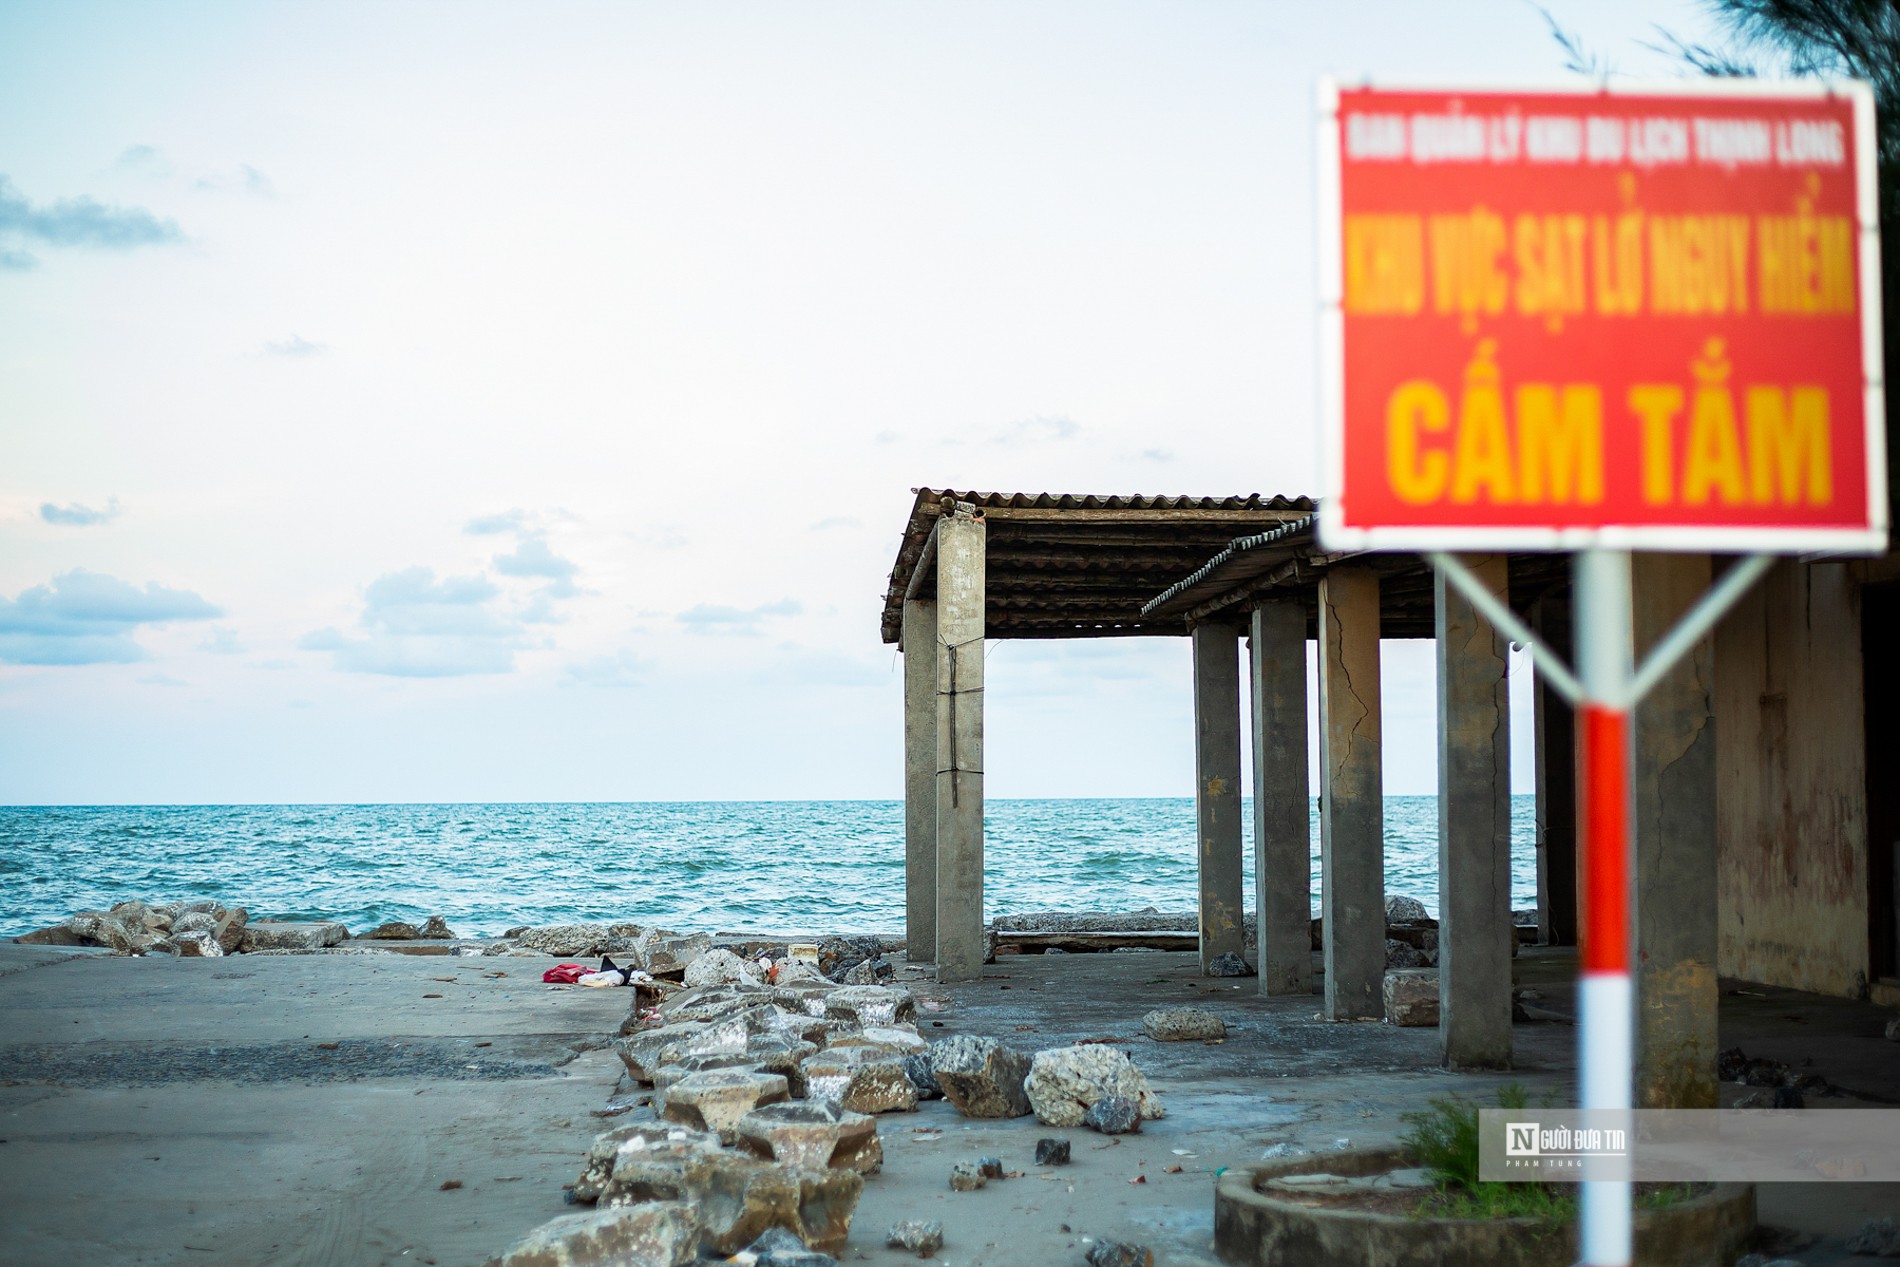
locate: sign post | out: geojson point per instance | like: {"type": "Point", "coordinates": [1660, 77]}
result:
{"type": "Point", "coordinates": [1602, 321]}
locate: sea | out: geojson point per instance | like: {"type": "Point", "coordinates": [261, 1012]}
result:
{"type": "Point", "coordinates": [727, 866]}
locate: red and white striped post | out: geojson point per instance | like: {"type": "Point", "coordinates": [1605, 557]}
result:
{"type": "Point", "coordinates": [1606, 1037]}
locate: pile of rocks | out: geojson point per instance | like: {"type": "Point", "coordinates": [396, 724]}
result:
{"type": "Point", "coordinates": [767, 1079]}
{"type": "Point", "coordinates": [202, 927]}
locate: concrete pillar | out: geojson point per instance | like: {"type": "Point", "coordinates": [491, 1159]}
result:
{"type": "Point", "coordinates": [1556, 777]}
{"type": "Point", "coordinates": [1217, 788]}
{"type": "Point", "coordinates": [920, 780]}
{"type": "Point", "coordinates": [1474, 827]}
{"type": "Point", "coordinates": [1674, 795]}
{"type": "Point", "coordinates": [960, 586]}
{"type": "Point", "coordinates": [1352, 802]}
{"type": "Point", "coordinates": [1282, 802]}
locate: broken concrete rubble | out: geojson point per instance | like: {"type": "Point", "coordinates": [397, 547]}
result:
{"type": "Point", "coordinates": [659, 1234]}
{"type": "Point", "coordinates": [921, 1237]}
{"type": "Point", "coordinates": [813, 1133]}
{"type": "Point", "coordinates": [981, 1076]}
{"type": "Point", "coordinates": [1183, 1024]}
{"type": "Point", "coordinates": [1064, 1082]}
{"type": "Point", "coordinates": [715, 1100]}
{"type": "Point", "coordinates": [871, 1005]}
{"type": "Point", "coordinates": [1411, 996]}
{"type": "Point", "coordinates": [862, 1079]}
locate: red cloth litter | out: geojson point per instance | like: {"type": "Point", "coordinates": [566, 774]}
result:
{"type": "Point", "coordinates": [565, 974]}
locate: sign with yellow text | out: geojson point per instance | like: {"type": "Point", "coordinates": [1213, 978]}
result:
{"type": "Point", "coordinates": [1633, 319]}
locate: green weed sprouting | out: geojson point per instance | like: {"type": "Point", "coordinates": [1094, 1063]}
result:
{"type": "Point", "coordinates": [1443, 1139]}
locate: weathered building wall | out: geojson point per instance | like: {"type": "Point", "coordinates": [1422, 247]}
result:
{"type": "Point", "coordinates": [1791, 783]}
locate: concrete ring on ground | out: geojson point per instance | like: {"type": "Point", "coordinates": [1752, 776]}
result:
{"type": "Point", "coordinates": [1250, 1227]}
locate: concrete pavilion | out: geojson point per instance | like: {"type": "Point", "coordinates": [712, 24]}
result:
{"type": "Point", "coordinates": [1763, 846]}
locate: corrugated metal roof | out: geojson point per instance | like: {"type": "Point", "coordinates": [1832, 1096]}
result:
{"type": "Point", "coordinates": [1069, 565]}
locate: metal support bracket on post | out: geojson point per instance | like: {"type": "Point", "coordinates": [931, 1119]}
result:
{"type": "Point", "coordinates": [1689, 630]}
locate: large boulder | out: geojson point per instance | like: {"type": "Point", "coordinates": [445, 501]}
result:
{"type": "Point", "coordinates": [981, 1076]}
{"type": "Point", "coordinates": [645, 1051]}
{"type": "Point", "coordinates": [394, 930]}
{"type": "Point", "coordinates": [1411, 996]}
{"type": "Point", "coordinates": [1182, 1025]}
{"type": "Point", "coordinates": [665, 956]}
{"type": "Point", "coordinates": [1405, 910]}
{"type": "Point", "coordinates": [57, 935]}
{"type": "Point", "coordinates": [658, 1234]}
{"type": "Point", "coordinates": [97, 929]}
{"type": "Point", "coordinates": [196, 943]}
{"type": "Point", "coordinates": [564, 941]}
{"type": "Point", "coordinates": [1064, 1082]}
{"type": "Point", "coordinates": [716, 1099]}
{"type": "Point", "coordinates": [861, 1079]}
{"type": "Point", "coordinates": [813, 1133]}
{"type": "Point", "coordinates": [266, 934]}
{"type": "Point", "coordinates": [719, 967]}
{"type": "Point", "coordinates": [229, 929]}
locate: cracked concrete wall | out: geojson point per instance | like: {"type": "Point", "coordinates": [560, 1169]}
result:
{"type": "Point", "coordinates": [1791, 777]}
{"type": "Point", "coordinates": [1217, 788]}
{"type": "Point", "coordinates": [1352, 800]}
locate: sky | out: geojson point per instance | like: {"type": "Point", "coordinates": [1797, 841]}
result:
{"type": "Point", "coordinates": [505, 402]}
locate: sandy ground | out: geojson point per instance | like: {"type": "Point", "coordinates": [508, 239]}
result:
{"type": "Point", "coordinates": [309, 1109]}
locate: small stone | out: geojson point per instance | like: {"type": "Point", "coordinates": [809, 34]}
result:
{"type": "Point", "coordinates": [1120, 1254]}
{"type": "Point", "coordinates": [395, 930]}
{"type": "Point", "coordinates": [921, 1237]}
{"type": "Point", "coordinates": [990, 1167]}
{"type": "Point", "coordinates": [1113, 1115]}
{"type": "Point", "coordinates": [1893, 1030]}
{"type": "Point", "coordinates": [981, 1077]}
{"type": "Point", "coordinates": [1182, 1024]}
{"type": "Point", "coordinates": [436, 928]}
{"type": "Point", "coordinates": [1405, 910]}
{"type": "Point", "coordinates": [1228, 965]}
{"type": "Point", "coordinates": [780, 1248]}
{"type": "Point", "coordinates": [1879, 1238]}
{"type": "Point", "coordinates": [1052, 1152]}
{"type": "Point", "coordinates": [657, 1234]}
{"type": "Point", "coordinates": [965, 1176]}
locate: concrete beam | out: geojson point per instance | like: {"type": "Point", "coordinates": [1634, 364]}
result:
{"type": "Point", "coordinates": [1217, 788]}
{"type": "Point", "coordinates": [1474, 827]}
{"type": "Point", "coordinates": [1282, 799]}
{"type": "Point", "coordinates": [960, 594]}
{"type": "Point", "coordinates": [920, 780]}
{"type": "Point", "coordinates": [1675, 807]}
{"type": "Point", "coordinates": [1555, 760]}
{"type": "Point", "coordinates": [1352, 801]}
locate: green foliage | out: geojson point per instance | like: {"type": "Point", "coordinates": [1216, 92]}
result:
{"type": "Point", "coordinates": [1444, 1140]}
